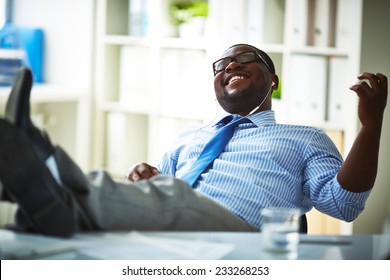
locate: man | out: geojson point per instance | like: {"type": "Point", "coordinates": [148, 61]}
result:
{"type": "Point", "coordinates": [264, 164]}
{"type": "Point", "coordinates": [278, 165]}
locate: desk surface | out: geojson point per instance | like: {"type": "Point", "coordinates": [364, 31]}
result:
{"type": "Point", "coordinates": [186, 245]}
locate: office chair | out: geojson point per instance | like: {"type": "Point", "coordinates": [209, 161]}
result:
{"type": "Point", "coordinates": [303, 224]}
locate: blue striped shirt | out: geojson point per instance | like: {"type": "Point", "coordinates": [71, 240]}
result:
{"type": "Point", "coordinates": [268, 165]}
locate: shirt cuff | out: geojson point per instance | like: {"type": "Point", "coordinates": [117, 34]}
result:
{"type": "Point", "coordinates": [350, 197]}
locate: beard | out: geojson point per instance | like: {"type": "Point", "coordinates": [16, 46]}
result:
{"type": "Point", "coordinates": [239, 100]}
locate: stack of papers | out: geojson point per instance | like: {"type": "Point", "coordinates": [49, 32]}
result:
{"type": "Point", "coordinates": [31, 246]}
{"type": "Point", "coordinates": [135, 245]}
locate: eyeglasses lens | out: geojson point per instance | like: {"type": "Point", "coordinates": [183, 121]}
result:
{"type": "Point", "coordinates": [245, 57]}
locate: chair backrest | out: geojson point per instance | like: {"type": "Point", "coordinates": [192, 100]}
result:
{"type": "Point", "coordinates": [303, 224]}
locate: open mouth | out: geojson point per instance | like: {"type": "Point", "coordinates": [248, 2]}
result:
{"type": "Point", "coordinates": [235, 78]}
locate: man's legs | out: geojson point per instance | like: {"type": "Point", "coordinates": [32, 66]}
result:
{"type": "Point", "coordinates": [161, 203]}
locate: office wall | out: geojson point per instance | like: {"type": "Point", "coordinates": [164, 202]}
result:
{"type": "Point", "coordinates": [376, 58]}
{"type": "Point", "coordinates": [68, 27]}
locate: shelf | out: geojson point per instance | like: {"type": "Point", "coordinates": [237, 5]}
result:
{"type": "Point", "coordinates": [50, 93]}
{"type": "Point", "coordinates": [272, 48]}
{"type": "Point", "coordinates": [323, 51]}
{"type": "Point", "coordinates": [120, 107]}
{"type": "Point", "coordinates": [178, 43]}
{"type": "Point", "coordinates": [127, 40]}
{"type": "Point", "coordinates": [174, 43]}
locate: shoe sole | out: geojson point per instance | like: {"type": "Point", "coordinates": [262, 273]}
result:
{"type": "Point", "coordinates": [30, 184]}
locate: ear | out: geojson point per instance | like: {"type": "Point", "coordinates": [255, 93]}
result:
{"type": "Point", "coordinates": [275, 82]}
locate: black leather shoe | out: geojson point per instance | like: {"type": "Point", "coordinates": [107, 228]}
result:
{"type": "Point", "coordinates": [45, 206]}
{"type": "Point", "coordinates": [17, 112]}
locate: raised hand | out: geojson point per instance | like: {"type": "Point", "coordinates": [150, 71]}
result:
{"type": "Point", "coordinates": [372, 93]}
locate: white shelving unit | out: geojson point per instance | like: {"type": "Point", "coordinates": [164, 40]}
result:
{"type": "Point", "coordinates": [149, 88]}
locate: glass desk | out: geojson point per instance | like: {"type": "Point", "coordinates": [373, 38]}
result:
{"type": "Point", "coordinates": [187, 245]}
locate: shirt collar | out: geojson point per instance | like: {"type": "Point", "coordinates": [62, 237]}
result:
{"type": "Point", "coordinates": [262, 118]}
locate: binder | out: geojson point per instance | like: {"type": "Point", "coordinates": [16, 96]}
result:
{"type": "Point", "coordinates": [20, 46]}
{"type": "Point", "coordinates": [300, 23]}
{"type": "Point", "coordinates": [322, 23]}
{"type": "Point", "coordinates": [233, 20]}
{"type": "Point", "coordinates": [32, 40]}
{"type": "Point", "coordinates": [255, 21]}
{"type": "Point", "coordinates": [345, 23]}
{"type": "Point", "coordinates": [308, 89]}
{"type": "Point", "coordinates": [139, 17]}
{"type": "Point", "coordinates": [338, 88]}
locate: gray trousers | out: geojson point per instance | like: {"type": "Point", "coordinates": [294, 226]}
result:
{"type": "Point", "coordinates": [161, 203]}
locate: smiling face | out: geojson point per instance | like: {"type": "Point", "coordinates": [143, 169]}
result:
{"type": "Point", "coordinates": [240, 87]}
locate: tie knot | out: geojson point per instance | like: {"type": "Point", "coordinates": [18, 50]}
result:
{"type": "Point", "coordinates": [233, 120]}
{"type": "Point", "coordinates": [229, 119]}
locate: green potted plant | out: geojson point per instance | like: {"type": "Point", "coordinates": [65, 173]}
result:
{"type": "Point", "coordinates": [189, 17]}
{"type": "Point", "coordinates": [277, 94]}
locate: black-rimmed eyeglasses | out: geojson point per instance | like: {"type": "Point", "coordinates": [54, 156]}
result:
{"type": "Point", "coordinates": [243, 58]}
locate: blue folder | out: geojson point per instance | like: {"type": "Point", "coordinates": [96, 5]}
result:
{"type": "Point", "coordinates": [29, 40]}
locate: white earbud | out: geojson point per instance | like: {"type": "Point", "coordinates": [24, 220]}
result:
{"type": "Point", "coordinates": [262, 101]}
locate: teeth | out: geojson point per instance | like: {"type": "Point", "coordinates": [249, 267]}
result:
{"type": "Point", "coordinates": [235, 78]}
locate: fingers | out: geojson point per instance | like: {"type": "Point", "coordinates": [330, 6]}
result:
{"type": "Point", "coordinates": [372, 93]}
{"type": "Point", "coordinates": [382, 81]}
{"type": "Point", "coordinates": [141, 171]}
{"type": "Point", "coordinates": [370, 83]}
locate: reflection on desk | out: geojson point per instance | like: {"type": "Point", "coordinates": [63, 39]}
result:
{"type": "Point", "coordinates": [186, 245]}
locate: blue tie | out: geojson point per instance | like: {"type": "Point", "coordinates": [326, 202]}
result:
{"type": "Point", "coordinates": [213, 148]}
